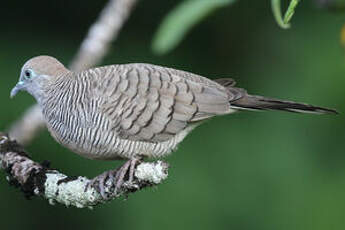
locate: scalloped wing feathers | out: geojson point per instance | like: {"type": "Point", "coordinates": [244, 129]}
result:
{"type": "Point", "coordinates": [150, 103]}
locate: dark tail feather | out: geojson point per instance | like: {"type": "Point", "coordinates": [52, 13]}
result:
{"type": "Point", "coordinates": [253, 102]}
{"type": "Point", "coordinates": [242, 100]}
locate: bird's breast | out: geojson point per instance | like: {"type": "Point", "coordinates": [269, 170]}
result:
{"type": "Point", "coordinates": [95, 143]}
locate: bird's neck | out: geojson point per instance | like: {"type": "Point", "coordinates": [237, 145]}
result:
{"type": "Point", "coordinates": [49, 86]}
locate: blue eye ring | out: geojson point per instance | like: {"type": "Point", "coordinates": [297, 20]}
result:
{"type": "Point", "coordinates": [28, 74]}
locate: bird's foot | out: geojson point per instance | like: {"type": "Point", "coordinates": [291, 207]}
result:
{"type": "Point", "coordinates": [120, 178]}
{"type": "Point", "coordinates": [127, 169]}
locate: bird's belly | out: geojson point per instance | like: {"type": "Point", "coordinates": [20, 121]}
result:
{"type": "Point", "coordinates": [106, 145]}
{"type": "Point", "coordinates": [87, 142]}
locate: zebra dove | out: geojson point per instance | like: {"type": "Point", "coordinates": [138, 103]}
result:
{"type": "Point", "coordinates": [132, 111]}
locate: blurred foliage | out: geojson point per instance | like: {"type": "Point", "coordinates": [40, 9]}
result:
{"type": "Point", "coordinates": [342, 36]}
{"type": "Point", "coordinates": [247, 171]}
{"type": "Point", "coordinates": [290, 11]}
{"type": "Point", "coordinates": [278, 14]}
{"type": "Point", "coordinates": [283, 23]}
{"type": "Point", "coordinates": [180, 20]}
{"type": "Point", "coordinates": [191, 12]}
{"type": "Point", "coordinates": [331, 4]}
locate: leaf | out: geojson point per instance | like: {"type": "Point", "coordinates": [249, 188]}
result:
{"type": "Point", "coordinates": [180, 20]}
{"type": "Point", "coordinates": [288, 15]}
{"type": "Point", "coordinates": [290, 11]}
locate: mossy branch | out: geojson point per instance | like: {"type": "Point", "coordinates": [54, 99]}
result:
{"type": "Point", "coordinates": [38, 179]}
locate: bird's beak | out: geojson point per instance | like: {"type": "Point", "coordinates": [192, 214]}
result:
{"type": "Point", "coordinates": [17, 88]}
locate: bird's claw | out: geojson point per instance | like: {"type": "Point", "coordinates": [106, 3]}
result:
{"type": "Point", "coordinates": [110, 183]}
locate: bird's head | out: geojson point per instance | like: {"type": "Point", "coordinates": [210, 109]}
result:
{"type": "Point", "coordinates": [37, 73]}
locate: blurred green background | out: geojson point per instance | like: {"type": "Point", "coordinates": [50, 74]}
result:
{"type": "Point", "coordinates": [250, 170]}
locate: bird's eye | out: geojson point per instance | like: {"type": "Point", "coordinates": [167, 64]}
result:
{"type": "Point", "coordinates": [27, 74]}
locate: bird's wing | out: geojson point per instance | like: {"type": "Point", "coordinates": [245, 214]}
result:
{"type": "Point", "coordinates": [150, 103]}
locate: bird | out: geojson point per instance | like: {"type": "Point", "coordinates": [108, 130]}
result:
{"type": "Point", "coordinates": [133, 111]}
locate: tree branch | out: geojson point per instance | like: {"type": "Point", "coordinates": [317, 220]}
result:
{"type": "Point", "coordinates": [36, 179]}
{"type": "Point", "coordinates": [101, 33]}
{"type": "Point", "coordinates": [26, 128]}
{"type": "Point", "coordinates": [92, 50]}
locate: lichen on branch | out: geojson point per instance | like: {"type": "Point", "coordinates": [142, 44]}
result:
{"type": "Point", "coordinates": [38, 179]}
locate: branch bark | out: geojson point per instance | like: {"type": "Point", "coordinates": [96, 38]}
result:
{"type": "Point", "coordinates": [36, 179]}
{"type": "Point", "coordinates": [92, 50]}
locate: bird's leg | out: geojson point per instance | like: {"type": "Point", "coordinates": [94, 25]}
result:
{"type": "Point", "coordinates": [100, 182]}
{"type": "Point", "coordinates": [131, 169]}
{"type": "Point", "coordinates": [114, 178]}
{"type": "Point", "coordinates": [128, 167]}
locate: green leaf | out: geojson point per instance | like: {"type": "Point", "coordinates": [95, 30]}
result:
{"type": "Point", "coordinates": [290, 11]}
{"type": "Point", "coordinates": [285, 24]}
{"type": "Point", "coordinates": [180, 20]}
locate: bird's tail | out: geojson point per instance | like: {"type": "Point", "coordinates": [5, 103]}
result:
{"type": "Point", "coordinates": [244, 101]}
{"type": "Point", "coordinates": [253, 102]}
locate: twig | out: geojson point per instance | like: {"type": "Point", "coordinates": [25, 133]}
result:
{"type": "Point", "coordinates": [107, 27]}
{"type": "Point", "coordinates": [26, 128]}
{"type": "Point", "coordinates": [92, 50]}
{"type": "Point", "coordinates": [36, 179]}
